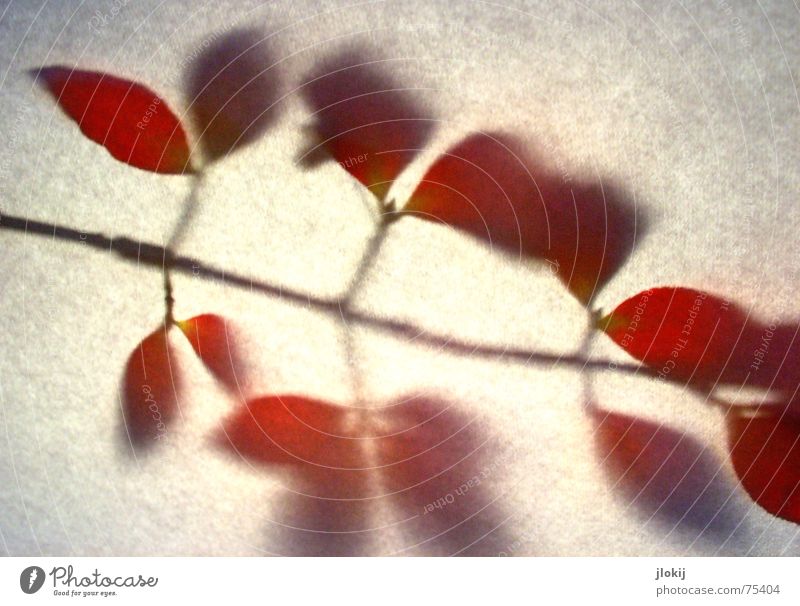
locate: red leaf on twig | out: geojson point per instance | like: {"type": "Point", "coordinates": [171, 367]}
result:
{"type": "Point", "coordinates": [150, 388]}
{"type": "Point", "coordinates": [132, 122]}
{"type": "Point", "coordinates": [488, 187]}
{"type": "Point", "coordinates": [212, 339]}
{"type": "Point", "coordinates": [686, 334]}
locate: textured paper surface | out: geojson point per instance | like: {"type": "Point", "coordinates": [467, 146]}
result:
{"type": "Point", "coordinates": [690, 107]}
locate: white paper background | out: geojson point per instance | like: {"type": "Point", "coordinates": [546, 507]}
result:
{"type": "Point", "coordinates": [692, 107]}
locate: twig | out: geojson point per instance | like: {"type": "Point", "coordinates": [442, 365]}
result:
{"type": "Point", "coordinates": [158, 257]}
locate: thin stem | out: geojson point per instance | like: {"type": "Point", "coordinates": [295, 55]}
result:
{"type": "Point", "coordinates": [189, 210]}
{"type": "Point", "coordinates": [584, 349]}
{"type": "Point", "coordinates": [368, 259]}
{"type": "Point", "coordinates": [388, 216]}
{"type": "Point", "coordinates": [176, 239]}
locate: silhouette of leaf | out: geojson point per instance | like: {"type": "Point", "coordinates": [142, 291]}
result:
{"type": "Point", "coordinates": [488, 187]}
{"type": "Point", "coordinates": [371, 125]}
{"type": "Point", "coordinates": [211, 338]}
{"type": "Point", "coordinates": [132, 122]}
{"type": "Point", "coordinates": [765, 451]}
{"type": "Point", "coordinates": [233, 87]}
{"type": "Point", "coordinates": [312, 445]}
{"type": "Point", "coordinates": [441, 473]}
{"type": "Point", "coordinates": [419, 454]}
{"type": "Point", "coordinates": [664, 472]}
{"type": "Point", "coordinates": [150, 388]}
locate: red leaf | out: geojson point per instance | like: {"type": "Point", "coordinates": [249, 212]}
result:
{"type": "Point", "coordinates": [233, 86]}
{"type": "Point", "coordinates": [371, 125]}
{"type": "Point", "coordinates": [213, 342]}
{"type": "Point", "coordinates": [326, 471]}
{"type": "Point", "coordinates": [128, 119]}
{"type": "Point", "coordinates": [295, 430]}
{"type": "Point", "coordinates": [483, 187]}
{"type": "Point", "coordinates": [412, 442]}
{"type": "Point", "coordinates": [488, 187]}
{"type": "Point", "coordinates": [685, 334]}
{"type": "Point", "coordinates": [150, 388]}
{"type": "Point", "coordinates": [765, 452]}
{"type": "Point", "coordinates": [680, 332]}
{"type": "Point", "coordinates": [292, 430]}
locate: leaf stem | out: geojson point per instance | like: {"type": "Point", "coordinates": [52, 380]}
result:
{"type": "Point", "coordinates": [584, 351]}
{"type": "Point", "coordinates": [370, 255]}
{"type": "Point", "coordinates": [179, 232]}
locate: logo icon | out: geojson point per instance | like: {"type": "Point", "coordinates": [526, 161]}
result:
{"type": "Point", "coordinates": [31, 579]}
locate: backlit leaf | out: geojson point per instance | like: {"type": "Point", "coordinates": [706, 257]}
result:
{"type": "Point", "coordinates": [293, 430]}
{"type": "Point", "coordinates": [150, 387]}
{"type": "Point", "coordinates": [489, 187]}
{"type": "Point", "coordinates": [765, 451]}
{"type": "Point", "coordinates": [686, 334]}
{"type": "Point", "coordinates": [132, 122]}
{"type": "Point", "coordinates": [212, 339]}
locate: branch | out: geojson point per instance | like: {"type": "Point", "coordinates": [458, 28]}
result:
{"type": "Point", "coordinates": [148, 254]}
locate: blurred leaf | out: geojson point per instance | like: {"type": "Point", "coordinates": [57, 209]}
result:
{"type": "Point", "coordinates": [313, 446]}
{"type": "Point", "coordinates": [233, 87]}
{"type": "Point", "coordinates": [765, 451]}
{"type": "Point", "coordinates": [489, 187]}
{"type": "Point", "coordinates": [212, 339]}
{"type": "Point", "coordinates": [150, 387]}
{"type": "Point", "coordinates": [663, 472]}
{"type": "Point", "coordinates": [371, 125]}
{"type": "Point", "coordinates": [132, 122]}
{"type": "Point", "coordinates": [292, 430]}
{"type": "Point", "coordinates": [443, 474]}
{"type": "Point", "coordinates": [422, 455]}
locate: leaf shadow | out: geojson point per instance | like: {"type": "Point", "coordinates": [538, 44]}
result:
{"type": "Point", "coordinates": [667, 476]}
{"type": "Point", "coordinates": [360, 481]}
{"type": "Point", "coordinates": [233, 87]}
{"type": "Point", "coordinates": [364, 119]}
{"type": "Point", "coordinates": [443, 478]}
